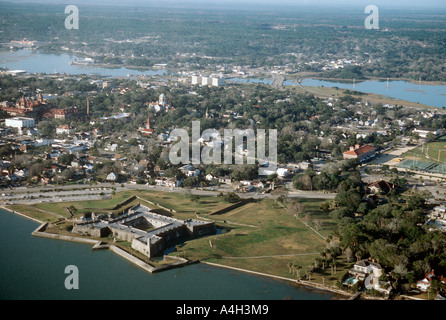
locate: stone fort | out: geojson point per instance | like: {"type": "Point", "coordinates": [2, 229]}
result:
{"type": "Point", "coordinates": [130, 227]}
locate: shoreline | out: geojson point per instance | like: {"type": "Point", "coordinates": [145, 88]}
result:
{"type": "Point", "coordinates": [413, 81]}
{"type": "Point", "coordinates": [300, 283]}
{"type": "Point", "coordinates": [97, 244]}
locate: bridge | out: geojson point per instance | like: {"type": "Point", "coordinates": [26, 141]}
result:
{"type": "Point", "coordinates": [278, 81]}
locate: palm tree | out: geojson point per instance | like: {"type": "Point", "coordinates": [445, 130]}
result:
{"type": "Point", "coordinates": [297, 267]}
{"type": "Point", "coordinates": [324, 257]}
{"type": "Point", "coordinates": [309, 273]}
{"type": "Point", "coordinates": [290, 267]}
{"type": "Point", "coordinates": [333, 265]}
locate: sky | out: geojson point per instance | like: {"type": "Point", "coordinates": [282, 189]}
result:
{"type": "Point", "coordinates": [403, 4]}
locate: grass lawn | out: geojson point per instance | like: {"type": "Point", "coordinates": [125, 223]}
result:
{"type": "Point", "coordinates": [263, 237]}
{"type": "Point", "coordinates": [181, 203]}
{"type": "Point", "coordinates": [434, 151]}
{"type": "Point", "coordinates": [30, 211]}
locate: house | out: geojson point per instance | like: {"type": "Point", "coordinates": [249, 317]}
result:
{"type": "Point", "coordinates": [111, 147]}
{"type": "Point", "coordinates": [144, 163]}
{"type": "Point", "coordinates": [369, 271]}
{"type": "Point", "coordinates": [423, 132]}
{"type": "Point", "coordinates": [363, 268]}
{"type": "Point", "coordinates": [425, 283]}
{"type": "Point", "coordinates": [380, 186]}
{"type": "Point", "coordinates": [112, 177]}
{"type": "Point", "coordinates": [210, 177]}
{"type": "Point", "coordinates": [226, 179]}
{"type": "Point", "coordinates": [283, 172]}
{"type": "Point", "coordinates": [190, 170]}
{"type": "Point", "coordinates": [167, 182]}
{"type": "Point", "coordinates": [118, 157]}
{"type": "Point", "coordinates": [64, 128]}
{"type": "Point", "coordinates": [259, 184]}
{"type": "Point", "coordinates": [439, 212]}
{"type": "Point", "coordinates": [361, 153]}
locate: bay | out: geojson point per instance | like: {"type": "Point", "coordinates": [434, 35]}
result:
{"type": "Point", "coordinates": [427, 94]}
{"type": "Point", "coordinates": [39, 62]}
{"type": "Point", "coordinates": [33, 268]}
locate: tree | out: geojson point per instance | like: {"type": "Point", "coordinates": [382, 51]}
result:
{"type": "Point", "coordinates": [195, 198]}
{"type": "Point", "coordinates": [296, 208]}
{"type": "Point", "coordinates": [416, 202]}
{"type": "Point", "coordinates": [430, 137]}
{"type": "Point", "coordinates": [349, 199]}
{"type": "Point", "coordinates": [231, 197]}
{"type": "Point", "coordinates": [325, 206]}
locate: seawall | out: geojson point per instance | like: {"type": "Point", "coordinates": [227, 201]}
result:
{"type": "Point", "coordinates": [294, 281]}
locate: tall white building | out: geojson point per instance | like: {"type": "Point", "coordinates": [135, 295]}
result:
{"type": "Point", "coordinates": [212, 80]}
{"type": "Point", "coordinates": [196, 80]}
{"type": "Point", "coordinates": [217, 82]}
{"type": "Point", "coordinates": [205, 81]}
{"type": "Point", "coordinates": [20, 123]}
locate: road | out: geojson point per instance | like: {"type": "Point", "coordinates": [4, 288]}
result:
{"type": "Point", "coordinates": [26, 195]}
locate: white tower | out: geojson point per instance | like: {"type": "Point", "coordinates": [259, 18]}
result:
{"type": "Point", "coordinates": [162, 100]}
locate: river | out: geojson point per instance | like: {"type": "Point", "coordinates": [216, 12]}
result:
{"type": "Point", "coordinates": [32, 268]}
{"type": "Point", "coordinates": [37, 62]}
{"type": "Point", "coordinates": [427, 94]}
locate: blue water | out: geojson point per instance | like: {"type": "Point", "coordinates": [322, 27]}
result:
{"type": "Point", "coordinates": [33, 268]}
{"type": "Point", "coordinates": [37, 62]}
{"type": "Point", "coordinates": [431, 95]}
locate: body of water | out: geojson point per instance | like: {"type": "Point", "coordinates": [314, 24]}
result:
{"type": "Point", "coordinates": [34, 268]}
{"type": "Point", "coordinates": [431, 95]}
{"type": "Point", "coordinates": [38, 62]}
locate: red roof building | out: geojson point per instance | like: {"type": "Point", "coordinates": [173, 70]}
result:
{"type": "Point", "coordinates": [360, 152]}
{"type": "Point", "coordinates": [147, 131]}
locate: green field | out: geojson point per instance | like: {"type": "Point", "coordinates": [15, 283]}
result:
{"type": "Point", "coordinates": [181, 203]}
{"type": "Point", "coordinates": [430, 157]}
{"type": "Point", "coordinates": [434, 151]}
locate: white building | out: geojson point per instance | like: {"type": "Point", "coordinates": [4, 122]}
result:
{"type": "Point", "coordinates": [196, 80]}
{"type": "Point", "coordinates": [112, 177]}
{"type": "Point", "coordinates": [212, 80]}
{"type": "Point", "coordinates": [64, 128]}
{"type": "Point", "coordinates": [423, 132]}
{"type": "Point", "coordinates": [217, 82]}
{"type": "Point", "coordinates": [20, 122]}
{"type": "Point", "coordinates": [206, 81]}
{"type": "Point", "coordinates": [283, 172]}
